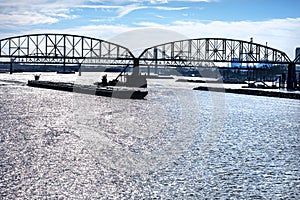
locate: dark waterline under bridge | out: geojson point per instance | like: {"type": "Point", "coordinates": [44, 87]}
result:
{"type": "Point", "coordinates": [65, 49]}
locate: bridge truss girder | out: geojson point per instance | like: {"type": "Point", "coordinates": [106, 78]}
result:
{"type": "Point", "coordinates": [63, 49]}
{"type": "Point", "coordinates": [197, 52]}
{"type": "Point", "coordinates": [73, 49]}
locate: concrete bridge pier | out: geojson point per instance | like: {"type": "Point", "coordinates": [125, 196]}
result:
{"type": "Point", "coordinates": [136, 79]}
{"type": "Point", "coordinates": [136, 67]}
{"type": "Point", "coordinates": [291, 79]}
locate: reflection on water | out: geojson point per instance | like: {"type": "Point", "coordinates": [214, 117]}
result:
{"type": "Point", "coordinates": [177, 144]}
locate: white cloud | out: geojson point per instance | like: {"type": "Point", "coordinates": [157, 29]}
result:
{"type": "Point", "coordinates": [124, 10]}
{"type": "Point", "coordinates": [160, 16]}
{"type": "Point", "coordinates": [148, 1]}
{"type": "Point", "coordinates": [25, 18]}
{"type": "Point", "coordinates": [52, 11]}
{"type": "Point", "coordinates": [22, 13]}
{"type": "Point", "coordinates": [121, 10]}
{"type": "Point", "coordinates": [158, 1]}
{"type": "Point", "coordinates": [170, 8]}
{"type": "Point", "coordinates": [149, 25]}
{"type": "Point", "coordinates": [99, 6]}
{"type": "Point", "coordinates": [96, 31]}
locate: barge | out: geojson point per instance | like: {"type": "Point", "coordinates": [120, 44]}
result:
{"type": "Point", "coordinates": [290, 95]}
{"type": "Point", "coordinates": [116, 92]}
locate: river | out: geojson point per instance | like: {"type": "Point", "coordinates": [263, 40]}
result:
{"type": "Point", "coordinates": [176, 144]}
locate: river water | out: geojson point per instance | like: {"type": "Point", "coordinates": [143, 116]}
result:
{"type": "Point", "coordinates": [175, 144]}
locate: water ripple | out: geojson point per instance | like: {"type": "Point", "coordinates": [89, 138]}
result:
{"type": "Point", "coordinates": [174, 145]}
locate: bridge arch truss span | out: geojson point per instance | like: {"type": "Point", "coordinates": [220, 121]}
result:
{"type": "Point", "coordinates": [195, 52]}
{"type": "Point", "coordinates": [63, 49]}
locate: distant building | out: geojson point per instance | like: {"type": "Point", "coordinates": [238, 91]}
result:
{"type": "Point", "coordinates": [235, 62]}
{"type": "Point", "coordinates": [264, 64]}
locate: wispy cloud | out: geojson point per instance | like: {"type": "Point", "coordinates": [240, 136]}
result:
{"type": "Point", "coordinates": [148, 1]}
{"type": "Point", "coordinates": [158, 1]}
{"type": "Point", "coordinates": [121, 10]}
{"type": "Point", "coordinates": [26, 18]}
{"type": "Point", "coordinates": [23, 13]}
{"type": "Point", "coordinates": [40, 12]}
{"type": "Point", "coordinates": [125, 10]}
{"type": "Point", "coordinates": [160, 16]}
{"type": "Point", "coordinates": [150, 25]}
{"type": "Point", "coordinates": [170, 8]}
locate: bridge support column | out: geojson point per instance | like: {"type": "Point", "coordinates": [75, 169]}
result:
{"type": "Point", "coordinates": [136, 67]}
{"type": "Point", "coordinates": [11, 69]}
{"type": "Point", "coordinates": [291, 80]}
{"type": "Point", "coordinates": [136, 80]}
{"type": "Point", "coordinates": [79, 70]}
{"type": "Point", "coordinates": [155, 57]}
{"type": "Point", "coordinates": [283, 80]}
{"type": "Point", "coordinates": [280, 83]}
{"type": "Point", "coordinates": [299, 81]}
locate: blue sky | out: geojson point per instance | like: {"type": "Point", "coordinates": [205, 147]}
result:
{"type": "Point", "coordinates": [274, 21]}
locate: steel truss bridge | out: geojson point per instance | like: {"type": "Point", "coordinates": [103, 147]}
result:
{"type": "Point", "coordinates": [65, 49]}
{"type": "Point", "coordinates": [73, 49]}
{"type": "Point", "coordinates": [196, 52]}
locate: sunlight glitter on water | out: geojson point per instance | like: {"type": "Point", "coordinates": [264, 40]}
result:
{"type": "Point", "coordinates": [176, 144]}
